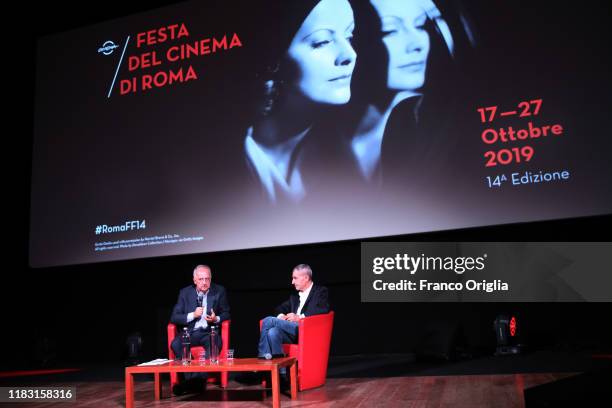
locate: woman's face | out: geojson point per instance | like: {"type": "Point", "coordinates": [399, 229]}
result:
{"type": "Point", "coordinates": [322, 53]}
{"type": "Point", "coordinates": [406, 40]}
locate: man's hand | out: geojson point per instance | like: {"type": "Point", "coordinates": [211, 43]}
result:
{"type": "Point", "coordinates": [198, 312]}
{"type": "Point", "coordinates": [292, 317]}
{"type": "Point", "coordinates": [282, 316]}
{"type": "Point", "coordinates": [212, 317]}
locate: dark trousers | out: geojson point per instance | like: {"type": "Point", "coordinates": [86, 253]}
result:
{"type": "Point", "coordinates": [200, 337]}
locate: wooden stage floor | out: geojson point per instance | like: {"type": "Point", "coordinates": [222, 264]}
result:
{"type": "Point", "coordinates": [473, 391]}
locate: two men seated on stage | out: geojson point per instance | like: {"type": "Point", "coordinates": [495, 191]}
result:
{"type": "Point", "coordinates": [204, 304]}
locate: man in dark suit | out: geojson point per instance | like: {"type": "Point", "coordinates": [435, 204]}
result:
{"type": "Point", "coordinates": [309, 300]}
{"type": "Point", "coordinates": [199, 306]}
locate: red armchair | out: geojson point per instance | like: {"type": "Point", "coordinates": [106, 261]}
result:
{"type": "Point", "coordinates": [312, 349]}
{"type": "Point", "coordinates": [198, 350]}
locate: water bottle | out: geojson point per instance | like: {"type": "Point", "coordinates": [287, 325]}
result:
{"type": "Point", "coordinates": [213, 350]}
{"type": "Point", "coordinates": [186, 346]}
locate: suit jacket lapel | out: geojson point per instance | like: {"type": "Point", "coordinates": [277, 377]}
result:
{"type": "Point", "coordinates": [295, 302]}
{"type": "Point", "coordinates": [211, 299]}
{"type": "Point", "coordinates": [193, 299]}
{"type": "Point", "coordinates": [310, 294]}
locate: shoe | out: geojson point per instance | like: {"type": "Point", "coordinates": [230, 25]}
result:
{"type": "Point", "coordinates": [178, 390]}
{"type": "Point", "coordinates": [285, 384]}
{"type": "Point", "coordinates": [265, 376]}
{"type": "Point", "coordinates": [266, 356]}
{"type": "Point", "coordinates": [196, 385]}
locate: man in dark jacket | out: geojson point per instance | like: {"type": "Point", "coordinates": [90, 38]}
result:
{"type": "Point", "coordinates": [309, 300]}
{"type": "Point", "coordinates": [199, 306]}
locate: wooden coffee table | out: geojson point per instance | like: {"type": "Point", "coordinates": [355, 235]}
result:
{"type": "Point", "coordinates": [238, 364]}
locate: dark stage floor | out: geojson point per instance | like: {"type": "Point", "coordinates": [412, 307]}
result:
{"type": "Point", "coordinates": [385, 380]}
{"type": "Point", "coordinates": [367, 366]}
{"type": "Point", "coordinates": [474, 391]}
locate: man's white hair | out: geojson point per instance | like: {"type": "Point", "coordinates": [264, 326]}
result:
{"type": "Point", "coordinates": [304, 269]}
{"type": "Point", "coordinates": [195, 270]}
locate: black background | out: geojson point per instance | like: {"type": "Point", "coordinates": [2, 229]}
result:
{"type": "Point", "coordinates": [94, 307]}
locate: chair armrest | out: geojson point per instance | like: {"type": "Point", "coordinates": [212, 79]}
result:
{"type": "Point", "coordinates": [317, 321]}
{"type": "Point", "coordinates": [171, 335]}
{"type": "Point", "coordinates": [225, 335]}
{"type": "Point", "coordinates": [314, 336]}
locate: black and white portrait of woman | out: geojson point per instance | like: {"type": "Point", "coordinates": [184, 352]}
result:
{"type": "Point", "coordinates": [401, 42]}
{"type": "Point", "coordinates": [402, 31]}
{"type": "Point", "coordinates": [309, 73]}
{"type": "Point", "coordinates": [321, 126]}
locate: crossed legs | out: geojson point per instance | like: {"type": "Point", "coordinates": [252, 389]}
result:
{"type": "Point", "coordinates": [275, 332]}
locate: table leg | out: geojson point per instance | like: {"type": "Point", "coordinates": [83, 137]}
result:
{"type": "Point", "coordinates": [275, 388]}
{"type": "Point", "coordinates": [293, 378]}
{"type": "Point", "coordinates": [158, 386]}
{"type": "Point", "coordinates": [129, 390]}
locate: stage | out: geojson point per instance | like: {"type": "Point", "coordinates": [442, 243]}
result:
{"type": "Point", "coordinates": [385, 380]}
{"type": "Point", "coordinates": [473, 391]}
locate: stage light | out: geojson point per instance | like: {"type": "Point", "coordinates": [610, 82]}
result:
{"type": "Point", "coordinates": [506, 332]}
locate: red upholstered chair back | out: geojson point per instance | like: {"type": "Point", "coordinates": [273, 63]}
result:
{"type": "Point", "coordinates": [312, 350]}
{"type": "Point", "coordinates": [197, 351]}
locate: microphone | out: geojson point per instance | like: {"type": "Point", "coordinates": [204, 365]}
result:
{"type": "Point", "coordinates": [200, 299]}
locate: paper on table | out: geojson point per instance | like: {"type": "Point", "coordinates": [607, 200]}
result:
{"type": "Point", "coordinates": [157, 361]}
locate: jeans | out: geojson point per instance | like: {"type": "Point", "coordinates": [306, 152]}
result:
{"type": "Point", "coordinates": [275, 332]}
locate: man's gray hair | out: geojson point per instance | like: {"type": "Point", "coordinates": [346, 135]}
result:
{"type": "Point", "coordinates": [201, 266]}
{"type": "Point", "coordinates": [304, 269]}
